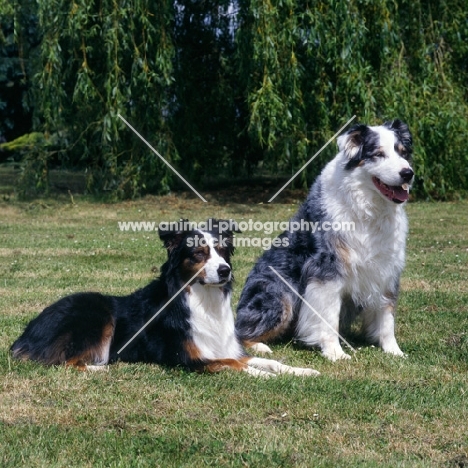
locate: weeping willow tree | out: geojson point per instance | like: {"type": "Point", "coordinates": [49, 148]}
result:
{"type": "Point", "coordinates": [308, 66]}
{"type": "Point", "coordinates": [235, 86]}
{"type": "Point", "coordinates": [101, 59]}
{"type": "Point", "coordinates": [19, 38]}
{"type": "Point", "coordinates": [204, 115]}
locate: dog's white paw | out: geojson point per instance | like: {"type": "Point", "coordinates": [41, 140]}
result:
{"type": "Point", "coordinates": [97, 368]}
{"type": "Point", "coordinates": [261, 348]}
{"type": "Point", "coordinates": [259, 373]}
{"type": "Point", "coordinates": [395, 350]}
{"type": "Point", "coordinates": [335, 354]}
{"type": "Point", "coordinates": [303, 371]}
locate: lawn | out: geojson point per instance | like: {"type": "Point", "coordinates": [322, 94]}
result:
{"type": "Point", "coordinates": [375, 410]}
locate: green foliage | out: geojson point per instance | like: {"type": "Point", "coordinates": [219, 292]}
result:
{"type": "Point", "coordinates": [19, 38]}
{"type": "Point", "coordinates": [312, 65]}
{"type": "Point", "coordinates": [235, 86]}
{"type": "Point", "coordinates": [205, 96]}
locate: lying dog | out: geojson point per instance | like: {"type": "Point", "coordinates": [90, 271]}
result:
{"type": "Point", "coordinates": [340, 272]}
{"type": "Point", "coordinates": [164, 323]}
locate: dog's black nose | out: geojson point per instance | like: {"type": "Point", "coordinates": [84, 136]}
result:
{"type": "Point", "coordinates": [406, 174]}
{"type": "Point", "coordinates": [223, 271]}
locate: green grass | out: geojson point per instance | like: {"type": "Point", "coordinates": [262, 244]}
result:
{"type": "Point", "coordinates": [375, 410]}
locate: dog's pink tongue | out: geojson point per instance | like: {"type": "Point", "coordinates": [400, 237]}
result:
{"type": "Point", "coordinates": [400, 194]}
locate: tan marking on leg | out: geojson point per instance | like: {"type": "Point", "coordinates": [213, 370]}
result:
{"type": "Point", "coordinates": [192, 350]}
{"type": "Point", "coordinates": [222, 364]}
{"type": "Point", "coordinates": [77, 363]}
{"type": "Point", "coordinates": [97, 354]}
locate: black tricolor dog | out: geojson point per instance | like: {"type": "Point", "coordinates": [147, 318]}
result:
{"type": "Point", "coordinates": [194, 329]}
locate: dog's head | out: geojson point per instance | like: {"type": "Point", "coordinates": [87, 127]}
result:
{"type": "Point", "coordinates": [204, 248]}
{"type": "Point", "coordinates": [384, 154]}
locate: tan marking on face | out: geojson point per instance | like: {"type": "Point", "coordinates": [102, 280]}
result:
{"type": "Point", "coordinates": [400, 148]}
{"type": "Point", "coordinates": [189, 268]}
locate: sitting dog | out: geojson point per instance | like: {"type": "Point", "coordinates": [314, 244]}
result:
{"type": "Point", "coordinates": [184, 318]}
{"type": "Point", "coordinates": [347, 256]}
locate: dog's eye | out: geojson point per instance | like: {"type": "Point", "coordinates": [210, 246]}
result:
{"type": "Point", "coordinates": [199, 255]}
{"type": "Point", "coordinates": [402, 151]}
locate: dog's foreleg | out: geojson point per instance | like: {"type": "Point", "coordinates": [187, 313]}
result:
{"type": "Point", "coordinates": [319, 318]}
{"type": "Point", "coordinates": [275, 367]}
{"type": "Point", "coordinates": [380, 327]}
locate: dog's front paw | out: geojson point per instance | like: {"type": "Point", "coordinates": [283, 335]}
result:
{"type": "Point", "coordinates": [92, 368]}
{"type": "Point", "coordinates": [395, 350]}
{"type": "Point", "coordinates": [335, 354]}
{"type": "Point", "coordinates": [303, 371]}
{"type": "Point", "coordinates": [259, 373]}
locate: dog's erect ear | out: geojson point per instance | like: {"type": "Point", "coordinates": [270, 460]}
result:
{"type": "Point", "coordinates": [171, 235]}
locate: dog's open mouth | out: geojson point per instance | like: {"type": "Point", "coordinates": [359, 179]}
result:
{"type": "Point", "coordinates": [395, 193]}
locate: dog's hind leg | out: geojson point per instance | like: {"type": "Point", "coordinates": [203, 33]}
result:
{"type": "Point", "coordinates": [260, 348]}
{"type": "Point", "coordinates": [95, 356]}
{"type": "Point", "coordinates": [265, 313]}
{"type": "Point", "coordinates": [76, 330]}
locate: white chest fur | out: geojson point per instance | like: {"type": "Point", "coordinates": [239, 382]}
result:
{"type": "Point", "coordinates": [376, 257]}
{"type": "Point", "coordinates": [374, 251]}
{"type": "Point", "coordinates": [212, 323]}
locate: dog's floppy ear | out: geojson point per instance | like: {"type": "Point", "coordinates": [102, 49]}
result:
{"type": "Point", "coordinates": [171, 235]}
{"type": "Point", "coordinates": [223, 226]}
{"type": "Point", "coordinates": [225, 229]}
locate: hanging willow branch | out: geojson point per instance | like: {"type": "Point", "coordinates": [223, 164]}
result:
{"type": "Point", "coordinates": [223, 86]}
{"type": "Point", "coordinates": [101, 58]}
